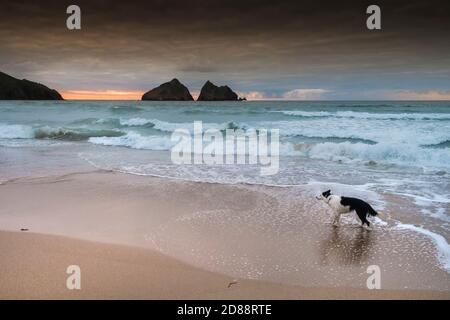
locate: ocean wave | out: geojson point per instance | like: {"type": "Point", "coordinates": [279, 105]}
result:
{"type": "Point", "coordinates": [368, 115]}
{"type": "Point", "coordinates": [16, 131]}
{"type": "Point", "coordinates": [379, 105]}
{"type": "Point", "coordinates": [307, 114]}
{"type": "Point", "coordinates": [85, 121]}
{"type": "Point", "coordinates": [165, 126]}
{"type": "Point", "coordinates": [136, 122]}
{"type": "Point", "coordinates": [443, 144]}
{"type": "Point", "coordinates": [125, 109]}
{"type": "Point", "coordinates": [426, 134]}
{"type": "Point", "coordinates": [59, 133]}
{"type": "Point", "coordinates": [382, 152]}
{"type": "Point", "coordinates": [156, 124]}
{"type": "Point", "coordinates": [319, 139]}
{"type": "Point", "coordinates": [135, 140]}
{"type": "Point", "coordinates": [346, 152]}
{"type": "Point", "coordinates": [229, 112]}
{"type": "Point", "coordinates": [418, 133]}
{"type": "Point", "coordinates": [73, 134]}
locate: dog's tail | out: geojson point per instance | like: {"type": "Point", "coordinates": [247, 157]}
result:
{"type": "Point", "coordinates": [372, 212]}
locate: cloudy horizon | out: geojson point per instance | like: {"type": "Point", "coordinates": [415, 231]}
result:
{"type": "Point", "coordinates": [289, 50]}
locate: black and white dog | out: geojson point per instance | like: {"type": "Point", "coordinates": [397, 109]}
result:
{"type": "Point", "coordinates": [342, 205]}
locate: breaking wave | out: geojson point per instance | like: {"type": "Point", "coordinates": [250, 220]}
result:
{"type": "Point", "coordinates": [16, 131]}
{"type": "Point", "coordinates": [367, 115]}
{"type": "Point", "coordinates": [73, 134]}
{"type": "Point", "coordinates": [172, 126]}
{"type": "Point", "coordinates": [59, 133]}
{"type": "Point", "coordinates": [135, 140]}
{"type": "Point", "coordinates": [378, 153]}
{"type": "Point", "coordinates": [443, 144]}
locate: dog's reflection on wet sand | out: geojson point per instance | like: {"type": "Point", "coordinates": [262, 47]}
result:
{"type": "Point", "coordinates": [347, 245]}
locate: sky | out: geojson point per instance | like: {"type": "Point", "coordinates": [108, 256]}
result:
{"type": "Point", "coordinates": [291, 50]}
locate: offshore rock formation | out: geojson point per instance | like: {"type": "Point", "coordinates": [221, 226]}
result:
{"type": "Point", "coordinates": [15, 89]}
{"type": "Point", "coordinates": [211, 92]}
{"type": "Point", "coordinates": [169, 91]}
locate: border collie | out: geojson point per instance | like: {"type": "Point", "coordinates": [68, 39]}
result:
{"type": "Point", "coordinates": [342, 205]}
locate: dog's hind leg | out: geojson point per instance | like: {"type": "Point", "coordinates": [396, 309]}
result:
{"type": "Point", "coordinates": [362, 217]}
{"type": "Point", "coordinates": [365, 222]}
{"type": "Point", "coordinates": [368, 227]}
{"type": "Point", "coordinates": [336, 219]}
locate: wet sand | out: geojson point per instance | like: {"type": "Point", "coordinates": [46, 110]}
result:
{"type": "Point", "coordinates": [158, 238]}
{"type": "Point", "coordinates": [34, 267]}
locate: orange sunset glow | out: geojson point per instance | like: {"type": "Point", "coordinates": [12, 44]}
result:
{"type": "Point", "coordinates": [101, 95]}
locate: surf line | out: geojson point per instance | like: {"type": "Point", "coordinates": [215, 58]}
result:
{"type": "Point", "coordinates": [230, 146]}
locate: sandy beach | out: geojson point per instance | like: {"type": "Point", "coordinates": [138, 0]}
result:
{"type": "Point", "coordinates": [34, 267]}
{"type": "Point", "coordinates": [225, 150]}
{"type": "Point", "coordinates": [151, 238]}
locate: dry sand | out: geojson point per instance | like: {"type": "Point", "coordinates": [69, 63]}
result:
{"type": "Point", "coordinates": [33, 266]}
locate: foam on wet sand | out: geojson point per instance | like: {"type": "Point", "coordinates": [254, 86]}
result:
{"type": "Point", "coordinates": [276, 241]}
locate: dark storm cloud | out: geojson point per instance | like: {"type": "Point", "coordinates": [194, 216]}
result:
{"type": "Point", "coordinates": [271, 46]}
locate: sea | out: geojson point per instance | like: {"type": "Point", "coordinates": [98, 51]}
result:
{"type": "Point", "coordinates": [382, 151]}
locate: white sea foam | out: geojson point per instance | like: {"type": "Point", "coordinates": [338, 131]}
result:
{"type": "Point", "coordinates": [406, 154]}
{"type": "Point", "coordinates": [410, 132]}
{"type": "Point", "coordinates": [172, 126]}
{"type": "Point", "coordinates": [381, 153]}
{"type": "Point", "coordinates": [423, 133]}
{"type": "Point", "coordinates": [136, 122]}
{"type": "Point", "coordinates": [378, 221]}
{"type": "Point", "coordinates": [102, 121]}
{"type": "Point", "coordinates": [438, 213]}
{"type": "Point", "coordinates": [442, 246]}
{"type": "Point", "coordinates": [16, 131]}
{"type": "Point", "coordinates": [347, 152]}
{"type": "Point", "coordinates": [394, 146]}
{"type": "Point", "coordinates": [430, 199]}
{"type": "Point", "coordinates": [368, 115]}
{"type": "Point", "coordinates": [157, 124]}
{"type": "Point", "coordinates": [135, 140]}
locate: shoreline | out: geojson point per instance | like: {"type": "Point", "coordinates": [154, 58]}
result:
{"type": "Point", "coordinates": [227, 231]}
{"type": "Point", "coordinates": [34, 267]}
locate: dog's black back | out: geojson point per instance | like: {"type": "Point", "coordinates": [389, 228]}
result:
{"type": "Point", "coordinates": [361, 207]}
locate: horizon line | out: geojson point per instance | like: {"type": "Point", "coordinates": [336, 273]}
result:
{"type": "Point", "coordinates": [262, 100]}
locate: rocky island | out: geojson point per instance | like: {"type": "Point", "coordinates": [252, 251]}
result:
{"type": "Point", "coordinates": [169, 91]}
{"type": "Point", "coordinates": [16, 89]}
{"type": "Point", "coordinates": [211, 92]}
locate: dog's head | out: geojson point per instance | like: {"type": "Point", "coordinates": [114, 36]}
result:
{"type": "Point", "coordinates": [324, 195]}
